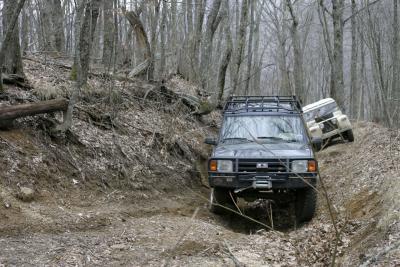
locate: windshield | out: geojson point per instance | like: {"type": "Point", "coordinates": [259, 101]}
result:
{"type": "Point", "coordinates": [265, 129]}
{"type": "Point", "coordinates": [320, 112]}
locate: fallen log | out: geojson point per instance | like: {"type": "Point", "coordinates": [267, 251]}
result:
{"type": "Point", "coordinates": [9, 113]}
{"type": "Point", "coordinates": [16, 79]}
{"type": "Point", "coordinates": [140, 69]}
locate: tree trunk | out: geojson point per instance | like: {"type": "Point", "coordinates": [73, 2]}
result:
{"type": "Point", "coordinates": [24, 31]}
{"type": "Point", "coordinates": [86, 37]}
{"type": "Point", "coordinates": [226, 57]}
{"type": "Point", "coordinates": [108, 37]}
{"type": "Point", "coordinates": [213, 20]}
{"type": "Point", "coordinates": [189, 18]}
{"type": "Point", "coordinates": [196, 40]}
{"type": "Point", "coordinates": [241, 39]}
{"type": "Point", "coordinates": [163, 37]}
{"type": "Point", "coordinates": [327, 40]}
{"type": "Point", "coordinates": [379, 107]}
{"type": "Point", "coordinates": [174, 36]}
{"type": "Point", "coordinates": [10, 53]}
{"type": "Point", "coordinates": [57, 18]}
{"type": "Point", "coordinates": [337, 85]}
{"type": "Point", "coordinates": [141, 35]}
{"type": "Point", "coordinates": [256, 47]}
{"type": "Point", "coordinates": [249, 49]}
{"type": "Point", "coordinates": [46, 37]}
{"type": "Point", "coordinates": [297, 54]}
{"type": "Point", "coordinates": [76, 68]}
{"type": "Point", "coordinates": [394, 94]}
{"type": "Point", "coordinates": [153, 40]}
{"type": "Point", "coordinates": [354, 92]}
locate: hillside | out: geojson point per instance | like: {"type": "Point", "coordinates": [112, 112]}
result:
{"type": "Point", "coordinates": [129, 189]}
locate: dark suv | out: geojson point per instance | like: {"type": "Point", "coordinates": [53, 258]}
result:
{"type": "Point", "coordinates": [263, 152]}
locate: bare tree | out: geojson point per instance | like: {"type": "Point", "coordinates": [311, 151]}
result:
{"type": "Point", "coordinates": [108, 36]}
{"type": "Point", "coordinates": [241, 39]}
{"type": "Point", "coordinates": [250, 48]}
{"type": "Point", "coordinates": [213, 20]}
{"type": "Point", "coordinates": [10, 53]}
{"type": "Point", "coordinates": [297, 53]}
{"type": "Point", "coordinates": [142, 41]}
{"type": "Point", "coordinates": [226, 57]}
{"type": "Point", "coordinates": [354, 92]}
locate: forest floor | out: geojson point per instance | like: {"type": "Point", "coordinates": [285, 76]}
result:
{"type": "Point", "coordinates": [137, 196]}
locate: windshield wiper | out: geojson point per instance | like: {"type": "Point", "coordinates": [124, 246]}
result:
{"type": "Point", "coordinates": [292, 141]}
{"type": "Point", "coordinates": [236, 138]}
{"type": "Point", "coordinates": [275, 138]}
{"type": "Point", "coordinates": [270, 137]}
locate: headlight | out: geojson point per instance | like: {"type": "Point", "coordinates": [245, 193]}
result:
{"type": "Point", "coordinates": [321, 126]}
{"type": "Point", "coordinates": [299, 165]}
{"type": "Point", "coordinates": [304, 166]}
{"type": "Point", "coordinates": [334, 121]}
{"type": "Point", "coordinates": [224, 165]}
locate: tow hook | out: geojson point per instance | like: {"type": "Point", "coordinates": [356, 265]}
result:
{"type": "Point", "coordinates": [242, 189]}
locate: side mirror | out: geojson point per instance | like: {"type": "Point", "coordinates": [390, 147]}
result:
{"type": "Point", "coordinates": [210, 141]}
{"type": "Point", "coordinates": [317, 143]}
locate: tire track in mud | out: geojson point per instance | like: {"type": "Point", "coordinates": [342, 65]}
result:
{"type": "Point", "coordinates": [137, 233]}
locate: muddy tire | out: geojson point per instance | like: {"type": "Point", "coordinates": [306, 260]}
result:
{"type": "Point", "coordinates": [348, 135]}
{"type": "Point", "coordinates": [306, 203]}
{"type": "Point", "coordinates": [318, 147]}
{"type": "Point", "coordinates": [221, 197]}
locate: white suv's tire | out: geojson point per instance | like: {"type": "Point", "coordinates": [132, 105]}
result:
{"type": "Point", "coordinates": [348, 135]}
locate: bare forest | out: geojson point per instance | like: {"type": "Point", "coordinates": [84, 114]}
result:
{"type": "Point", "coordinates": [105, 104]}
{"type": "Point", "coordinates": [345, 49]}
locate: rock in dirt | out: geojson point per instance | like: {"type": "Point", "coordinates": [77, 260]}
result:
{"type": "Point", "coordinates": [26, 194]}
{"type": "Point", "coordinates": [119, 247]}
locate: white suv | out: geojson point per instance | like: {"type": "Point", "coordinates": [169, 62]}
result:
{"type": "Point", "coordinates": [325, 120]}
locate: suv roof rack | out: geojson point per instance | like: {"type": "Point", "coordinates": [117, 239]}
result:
{"type": "Point", "coordinates": [281, 104]}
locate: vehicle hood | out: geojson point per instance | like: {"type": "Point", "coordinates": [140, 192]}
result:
{"type": "Point", "coordinates": [254, 150]}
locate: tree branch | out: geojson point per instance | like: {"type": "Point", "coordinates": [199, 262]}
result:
{"type": "Point", "coordinates": [360, 10]}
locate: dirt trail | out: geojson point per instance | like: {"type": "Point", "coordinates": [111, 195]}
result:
{"type": "Point", "coordinates": [114, 196]}
{"type": "Point", "coordinates": [122, 229]}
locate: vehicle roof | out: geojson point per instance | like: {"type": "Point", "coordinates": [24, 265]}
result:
{"type": "Point", "coordinates": [264, 104]}
{"type": "Point", "coordinates": [318, 104]}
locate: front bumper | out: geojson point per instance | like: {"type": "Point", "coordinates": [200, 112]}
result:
{"type": "Point", "coordinates": [262, 181]}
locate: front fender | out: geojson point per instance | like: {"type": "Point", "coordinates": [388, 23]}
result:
{"type": "Point", "coordinates": [315, 131]}
{"type": "Point", "coordinates": [343, 122]}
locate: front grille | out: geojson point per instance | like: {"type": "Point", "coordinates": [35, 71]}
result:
{"type": "Point", "coordinates": [329, 126]}
{"type": "Point", "coordinates": [273, 165]}
{"type": "Point", "coordinates": [324, 117]}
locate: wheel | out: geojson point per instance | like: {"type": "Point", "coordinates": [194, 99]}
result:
{"type": "Point", "coordinates": [306, 203]}
{"type": "Point", "coordinates": [348, 135]}
{"type": "Point", "coordinates": [222, 197]}
{"type": "Point", "coordinates": [318, 147]}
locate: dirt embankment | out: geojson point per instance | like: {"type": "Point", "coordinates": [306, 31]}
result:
{"type": "Point", "coordinates": [364, 184]}
{"type": "Point", "coordinates": [126, 191]}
